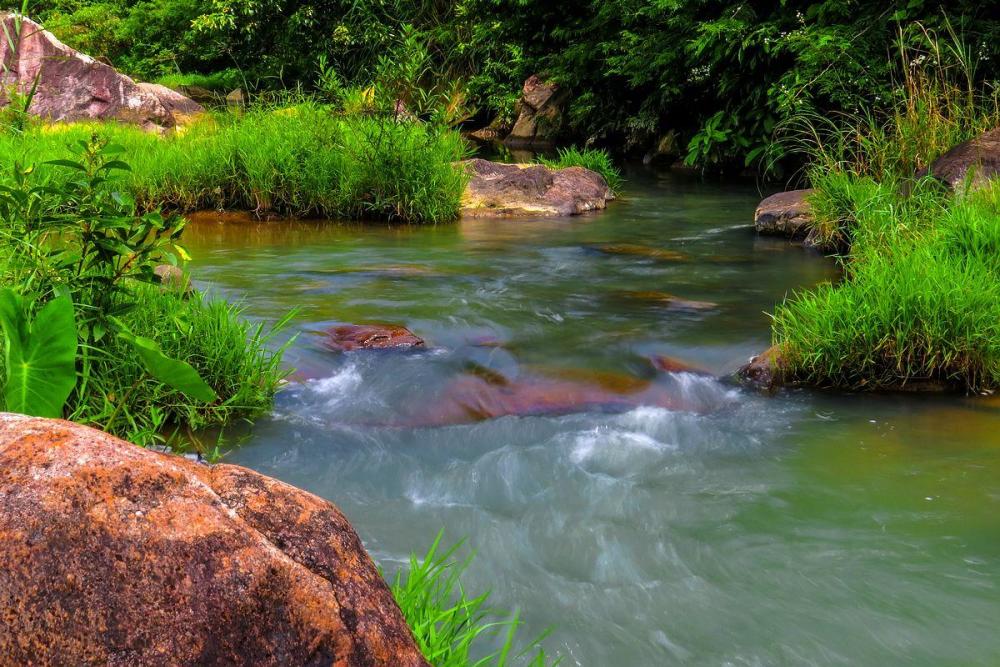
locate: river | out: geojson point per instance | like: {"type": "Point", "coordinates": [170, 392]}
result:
{"type": "Point", "coordinates": [734, 529]}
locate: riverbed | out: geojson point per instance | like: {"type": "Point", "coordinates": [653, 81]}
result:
{"type": "Point", "coordinates": [726, 528]}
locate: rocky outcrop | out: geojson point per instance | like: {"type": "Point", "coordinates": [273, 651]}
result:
{"type": "Point", "coordinates": [114, 554]}
{"type": "Point", "coordinates": [351, 337]}
{"type": "Point", "coordinates": [785, 214]}
{"type": "Point", "coordinates": [74, 86]}
{"type": "Point", "coordinates": [510, 190]}
{"type": "Point", "coordinates": [539, 112]}
{"type": "Point", "coordinates": [976, 160]}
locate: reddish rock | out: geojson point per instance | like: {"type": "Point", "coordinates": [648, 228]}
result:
{"type": "Point", "coordinates": [667, 364]}
{"type": "Point", "coordinates": [480, 396]}
{"type": "Point", "coordinates": [114, 554]}
{"type": "Point", "coordinates": [785, 214]}
{"type": "Point", "coordinates": [509, 190]}
{"type": "Point", "coordinates": [350, 337]}
{"type": "Point", "coordinates": [74, 86]}
{"type": "Point", "coordinates": [539, 113]}
{"type": "Point", "coordinates": [977, 160]}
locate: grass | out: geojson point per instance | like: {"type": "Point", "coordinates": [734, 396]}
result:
{"type": "Point", "coordinates": [300, 160]}
{"type": "Point", "coordinates": [920, 299]}
{"type": "Point", "coordinates": [588, 158]}
{"type": "Point", "coordinates": [451, 628]}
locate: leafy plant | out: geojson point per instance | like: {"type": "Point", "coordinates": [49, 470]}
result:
{"type": "Point", "coordinates": [40, 355]}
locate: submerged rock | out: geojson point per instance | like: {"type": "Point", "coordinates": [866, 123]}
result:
{"type": "Point", "coordinates": [114, 554]}
{"type": "Point", "coordinates": [785, 214]}
{"type": "Point", "coordinates": [667, 364]}
{"type": "Point", "coordinates": [350, 337]}
{"type": "Point", "coordinates": [508, 190]}
{"type": "Point", "coordinates": [667, 300]}
{"type": "Point", "coordinates": [74, 86]}
{"type": "Point", "coordinates": [635, 250]}
{"type": "Point", "coordinates": [479, 396]}
{"type": "Point", "coordinates": [539, 113]}
{"type": "Point", "coordinates": [977, 160]}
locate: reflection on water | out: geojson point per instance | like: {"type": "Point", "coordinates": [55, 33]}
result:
{"type": "Point", "coordinates": [725, 528]}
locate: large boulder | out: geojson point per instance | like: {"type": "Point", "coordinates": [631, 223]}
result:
{"type": "Point", "coordinates": [507, 190]}
{"type": "Point", "coordinates": [977, 160]}
{"type": "Point", "coordinates": [785, 214]}
{"type": "Point", "coordinates": [74, 86]}
{"type": "Point", "coordinates": [539, 112]}
{"type": "Point", "coordinates": [113, 554]}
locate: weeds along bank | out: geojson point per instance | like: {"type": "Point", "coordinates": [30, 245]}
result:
{"type": "Point", "coordinates": [92, 333]}
{"type": "Point", "coordinates": [299, 160]}
{"type": "Point", "coordinates": [919, 303]}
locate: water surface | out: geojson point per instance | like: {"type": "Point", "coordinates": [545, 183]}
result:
{"type": "Point", "coordinates": [805, 529]}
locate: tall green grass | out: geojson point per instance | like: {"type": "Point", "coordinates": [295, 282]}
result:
{"type": "Point", "coordinates": [300, 160]}
{"type": "Point", "coordinates": [920, 297]}
{"type": "Point", "coordinates": [453, 629]}
{"type": "Point", "coordinates": [920, 300]}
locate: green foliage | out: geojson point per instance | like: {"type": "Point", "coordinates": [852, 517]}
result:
{"type": "Point", "coordinates": [300, 160]}
{"type": "Point", "coordinates": [589, 158]}
{"type": "Point", "coordinates": [452, 629]}
{"type": "Point", "coordinates": [147, 357]}
{"type": "Point", "coordinates": [920, 299]}
{"type": "Point", "coordinates": [40, 355]}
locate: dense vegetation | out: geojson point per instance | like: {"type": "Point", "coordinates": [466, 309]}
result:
{"type": "Point", "coordinates": [919, 300]}
{"type": "Point", "coordinates": [298, 160]}
{"type": "Point", "coordinates": [93, 332]}
{"type": "Point", "coordinates": [722, 74]}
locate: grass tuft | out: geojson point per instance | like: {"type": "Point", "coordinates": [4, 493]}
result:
{"type": "Point", "coordinates": [451, 628]}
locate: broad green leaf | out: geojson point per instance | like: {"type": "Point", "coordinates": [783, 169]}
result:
{"type": "Point", "coordinates": [174, 373]}
{"type": "Point", "coordinates": [41, 357]}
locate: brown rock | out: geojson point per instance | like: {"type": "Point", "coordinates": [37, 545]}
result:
{"type": "Point", "coordinates": [508, 190]}
{"type": "Point", "coordinates": [785, 214]}
{"type": "Point", "coordinates": [172, 277]}
{"type": "Point", "coordinates": [766, 371]}
{"type": "Point", "coordinates": [74, 86]}
{"type": "Point", "coordinates": [668, 301]}
{"type": "Point", "coordinates": [236, 99]}
{"type": "Point", "coordinates": [977, 160]}
{"type": "Point", "coordinates": [636, 250]}
{"type": "Point", "coordinates": [539, 112]}
{"type": "Point", "coordinates": [114, 554]}
{"type": "Point", "coordinates": [350, 337]}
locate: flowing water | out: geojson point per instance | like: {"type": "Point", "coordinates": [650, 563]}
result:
{"type": "Point", "coordinates": [723, 529]}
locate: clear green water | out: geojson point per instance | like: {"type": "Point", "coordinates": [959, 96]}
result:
{"type": "Point", "coordinates": [803, 529]}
